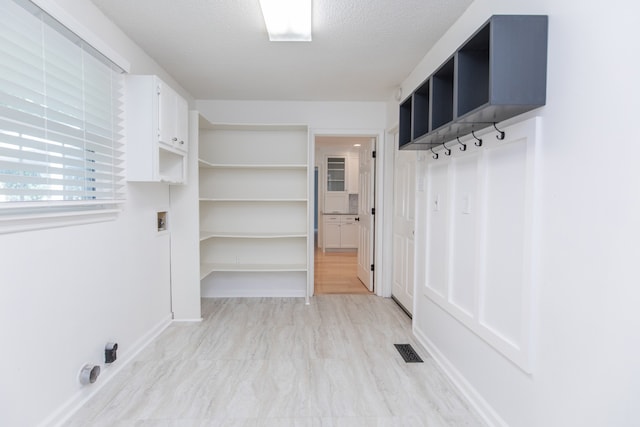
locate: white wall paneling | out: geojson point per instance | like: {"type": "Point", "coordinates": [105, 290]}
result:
{"type": "Point", "coordinates": [437, 228]}
{"type": "Point", "coordinates": [478, 237]}
{"type": "Point", "coordinates": [464, 251]}
{"type": "Point", "coordinates": [584, 264]}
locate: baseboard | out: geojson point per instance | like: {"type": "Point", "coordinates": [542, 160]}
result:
{"type": "Point", "coordinates": [68, 409]}
{"type": "Point", "coordinates": [253, 293]}
{"type": "Point", "coordinates": [196, 320]}
{"type": "Point", "coordinates": [286, 284]}
{"type": "Point", "coordinates": [482, 407]}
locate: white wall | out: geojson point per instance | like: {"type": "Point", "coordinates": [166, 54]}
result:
{"type": "Point", "coordinates": [94, 20]}
{"type": "Point", "coordinates": [67, 291]}
{"type": "Point", "coordinates": [347, 116]}
{"type": "Point", "coordinates": [323, 119]}
{"type": "Point", "coordinates": [586, 231]}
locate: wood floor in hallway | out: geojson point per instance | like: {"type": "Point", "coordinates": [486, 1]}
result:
{"type": "Point", "coordinates": [337, 273]}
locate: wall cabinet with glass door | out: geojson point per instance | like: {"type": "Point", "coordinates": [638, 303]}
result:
{"type": "Point", "coordinates": [336, 174]}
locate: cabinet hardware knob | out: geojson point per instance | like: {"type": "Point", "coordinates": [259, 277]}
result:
{"type": "Point", "coordinates": [174, 139]}
{"type": "Point", "coordinates": [181, 142]}
{"type": "Point", "coordinates": [357, 219]}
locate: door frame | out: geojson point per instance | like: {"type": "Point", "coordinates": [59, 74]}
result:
{"type": "Point", "coordinates": [382, 232]}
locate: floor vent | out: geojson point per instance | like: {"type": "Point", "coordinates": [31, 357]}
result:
{"type": "Point", "coordinates": [408, 353]}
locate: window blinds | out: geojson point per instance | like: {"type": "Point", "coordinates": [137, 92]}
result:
{"type": "Point", "coordinates": [61, 137]}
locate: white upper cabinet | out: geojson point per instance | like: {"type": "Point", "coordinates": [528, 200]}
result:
{"type": "Point", "coordinates": [173, 114]}
{"type": "Point", "coordinates": [157, 131]}
{"type": "Point", "coordinates": [336, 173]}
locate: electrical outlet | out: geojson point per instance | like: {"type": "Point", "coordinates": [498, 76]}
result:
{"type": "Point", "coordinates": [110, 352]}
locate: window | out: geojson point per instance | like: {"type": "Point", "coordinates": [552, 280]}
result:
{"type": "Point", "coordinates": [60, 117]}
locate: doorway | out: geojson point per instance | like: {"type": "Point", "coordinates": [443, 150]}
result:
{"type": "Point", "coordinates": [345, 182]}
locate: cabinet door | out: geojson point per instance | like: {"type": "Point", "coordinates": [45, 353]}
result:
{"type": "Point", "coordinates": [331, 235]}
{"type": "Point", "coordinates": [336, 174]}
{"type": "Point", "coordinates": [182, 123]}
{"type": "Point", "coordinates": [173, 118]}
{"type": "Point", "coordinates": [166, 114]}
{"type": "Point", "coordinates": [349, 234]}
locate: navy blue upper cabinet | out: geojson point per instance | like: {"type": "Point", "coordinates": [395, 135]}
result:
{"type": "Point", "coordinates": [498, 73]}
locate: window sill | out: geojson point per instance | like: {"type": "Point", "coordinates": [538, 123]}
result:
{"type": "Point", "coordinates": [15, 219]}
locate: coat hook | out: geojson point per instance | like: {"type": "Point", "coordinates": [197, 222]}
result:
{"type": "Point", "coordinates": [500, 134]}
{"type": "Point", "coordinates": [478, 142]}
{"type": "Point", "coordinates": [435, 155]}
{"type": "Point", "coordinates": [463, 146]}
{"type": "Point", "coordinates": [447, 151]}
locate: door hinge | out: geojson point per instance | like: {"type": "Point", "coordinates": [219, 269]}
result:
{"type": "Point", "coordinates": [372, 267]}
{"type": "Point", "coordinates": [373, 154]}
{"type": "Point", "coordinates": [373, 211]}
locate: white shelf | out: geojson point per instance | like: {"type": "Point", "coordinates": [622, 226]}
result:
{"type": "Point", "coordinates": [205, 164]}
{"type": "Point", "coordinates": [204, 235]}
{"type": "Point", "coordinates": [253, 200]}
{"type": "Point", "coordinates": [206, 269]}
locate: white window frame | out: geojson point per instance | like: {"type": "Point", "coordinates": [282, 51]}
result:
{"type": "Point", "coordinates": [19, 216]}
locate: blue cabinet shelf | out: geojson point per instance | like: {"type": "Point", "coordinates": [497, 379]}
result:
{"type": "Point", "coordinates": [498, 73]}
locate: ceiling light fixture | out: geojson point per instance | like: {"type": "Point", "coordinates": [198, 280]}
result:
{"type": "Point", "coordinates": [356, 145]}
{"type": "Point", "coordinates": [287, 20]}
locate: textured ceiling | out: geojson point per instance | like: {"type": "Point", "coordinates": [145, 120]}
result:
{"type": "Point", "coordinates": [219, 49]}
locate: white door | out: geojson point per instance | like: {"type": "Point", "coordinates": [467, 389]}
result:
{"type": "Point", "coordinates": [403, 227]}
{"type": "Point", "coordinates": [366, 178]}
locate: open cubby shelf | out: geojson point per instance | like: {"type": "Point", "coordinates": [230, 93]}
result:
{"type": "Point", "coordinates": [498, 73]}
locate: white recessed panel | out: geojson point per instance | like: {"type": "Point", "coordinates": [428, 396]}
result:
{"type": "Point", "coordinates": [399, 257]}
{"type": "Point", "coordinates": [410, 253]}
{"type": "Point", "coordinates": [504, 240]}
{"type": "Point", "coordinates": [464, 233]}
{"type": "Point", "coordinates": [437, 233]}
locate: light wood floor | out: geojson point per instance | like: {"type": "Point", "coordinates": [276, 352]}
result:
{"type": "Point", "coordinates": [276, 362]}
{"type": "Point", "coordinates": [337, 273]}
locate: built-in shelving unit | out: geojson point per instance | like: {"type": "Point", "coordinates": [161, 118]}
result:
{"type": "Point", "coordinates": [254, 213]}
{"type": "Point", "coordinates": [498, 73]}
